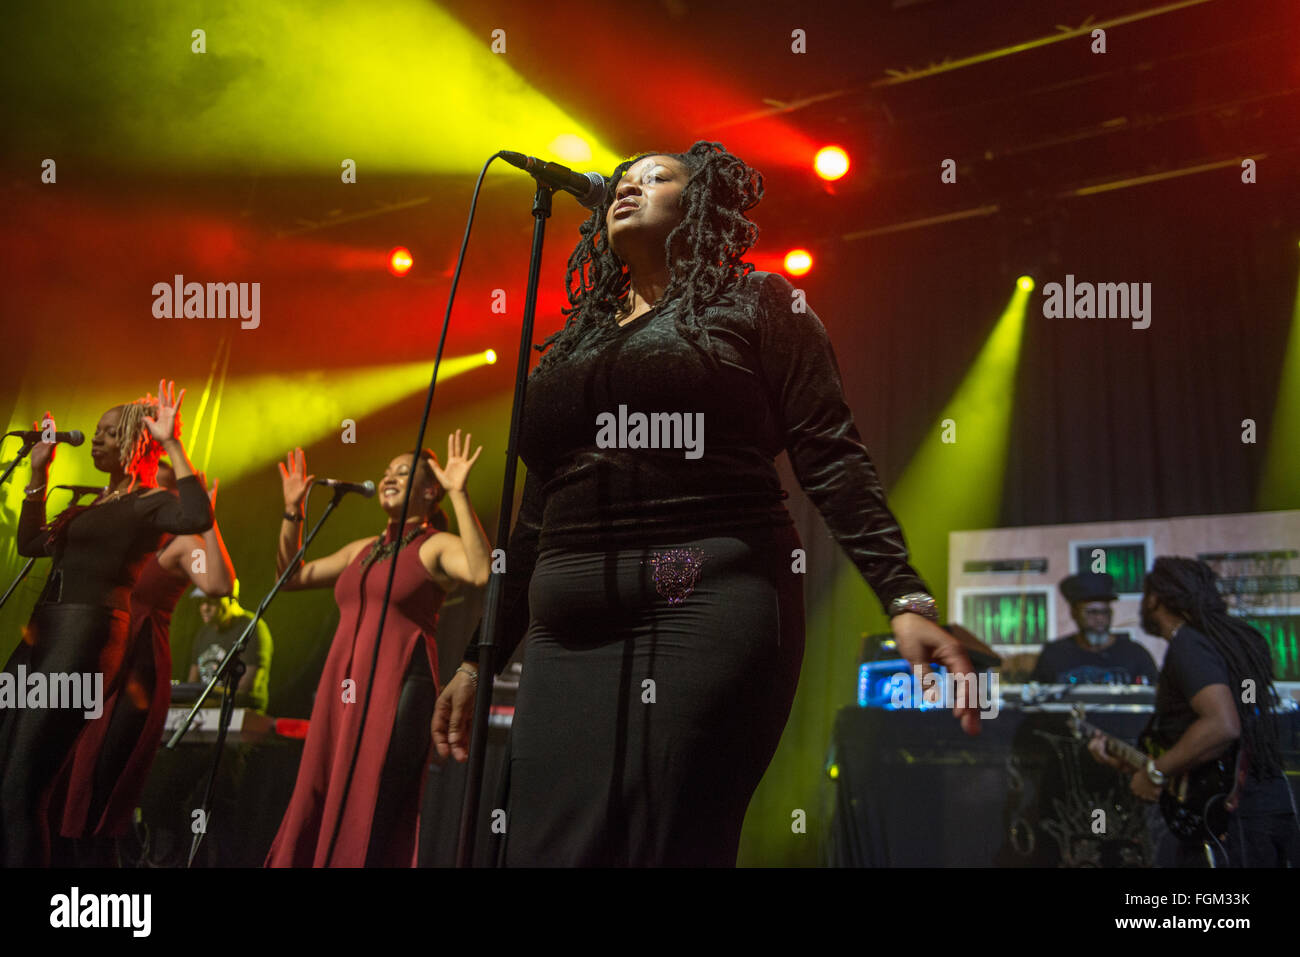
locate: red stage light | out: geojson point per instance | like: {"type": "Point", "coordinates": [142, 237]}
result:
{"type": "Point", "coordinates": [798, 262]}
{"type": "Point", "coordinates": [831, 162]}
{"type": "Point", "coordinates": [400, 261]}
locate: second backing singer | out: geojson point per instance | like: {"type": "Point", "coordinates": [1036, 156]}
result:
{"type": "Point", "coordinates": [377, 815]}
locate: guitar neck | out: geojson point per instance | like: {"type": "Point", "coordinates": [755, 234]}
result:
{"type": "Point", "coordinates": [1130, 755]}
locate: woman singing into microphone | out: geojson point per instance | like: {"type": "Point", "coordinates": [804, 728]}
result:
{"type": "Point", "coordinates": [651, 565]}
{"type": "Point", "coordinates": [100, 784]}
{"type": "Point", "coordinates": [81, 624]}
{"type": "Point", "coordinates": [376, 815]}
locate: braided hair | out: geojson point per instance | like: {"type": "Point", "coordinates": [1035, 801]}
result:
{"type": "Point", "coordinates": [704, 253]}
{"type": "Point", "coordinates": [1189, 589]}
{"type": "Point", "coordinates": [139, 450]}
{"type": "Point", "coordinates": [138, 453]}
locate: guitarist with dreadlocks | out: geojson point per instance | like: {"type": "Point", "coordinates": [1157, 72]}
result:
{"type": "Point", "coordinates": [1215, 701]}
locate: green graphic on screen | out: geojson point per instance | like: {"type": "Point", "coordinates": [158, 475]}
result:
{"type": "Point", "coordinates": [1007, 618]}
{"type": "Point", "coordinates": [1125, 561]}
{"type": "Point", "coordinates": [1282, 632]}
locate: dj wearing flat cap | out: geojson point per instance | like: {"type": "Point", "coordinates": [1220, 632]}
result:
{"type": "Point", "coordinates": [1093, 654]}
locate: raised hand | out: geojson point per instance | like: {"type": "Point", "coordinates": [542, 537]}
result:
{"type": "Point", "coordinates": [163, 428]}
{"type": "Point", "coordinates": [453, 474]}
{"type": "Point", "coordinates": [212, 492]}
{"type": "Point", "coordinates": [293, 475]}
{"type": "Point", "coordinates": [43, 452]}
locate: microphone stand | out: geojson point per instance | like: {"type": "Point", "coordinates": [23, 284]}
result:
{"type": "Point", "coordinates": [492, 601]}
{"type": "Point", "coordinates": [17, 580]}
{"type": "Point", "coordinates": [28, 445]}
{"type": "Point", "coordinates": [230, 671]}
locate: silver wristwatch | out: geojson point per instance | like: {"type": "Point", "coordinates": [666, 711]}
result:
{"type": "Point", "coordinates": [917, 602]}
{"type": "Point", "coordinates": [1154, 775]}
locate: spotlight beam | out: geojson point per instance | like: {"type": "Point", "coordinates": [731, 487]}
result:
{"type": "Point", "coordinates": [1278, 487]}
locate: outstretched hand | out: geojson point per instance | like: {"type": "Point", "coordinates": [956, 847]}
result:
{"type": "Point", "coordinates": [163, 428]}
{"type": "Point", "coordinates": [453, 474]}
{"type": "Point", "coordinates": [43, 452]}
{"type": "Point", "coordinates": [294, 477]}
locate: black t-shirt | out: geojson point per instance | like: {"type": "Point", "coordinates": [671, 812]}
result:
{"type": "Point", "coordinates": [212, 641]}
{"type": "Point", "coordinates": [1192, 664]}
{"type": "Point", "coordinates": [1124, 662]}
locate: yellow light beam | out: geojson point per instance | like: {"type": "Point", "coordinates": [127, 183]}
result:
{"type": "Point", "coordinates": [261, 418]}
{"type": "Point", "coordinates": [953, 481]}
{"type": "Point", "coordinates": [1279, 485]}
{"type": "Point", "coordinates": [296, 85]}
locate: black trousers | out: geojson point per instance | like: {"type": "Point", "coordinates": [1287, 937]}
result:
{"type": "Point", "coordinates": [34, 743]}
{"type": "Point", "coordinates": [404, 764]}
{"type": "Point", "coordinates": [643, 724]}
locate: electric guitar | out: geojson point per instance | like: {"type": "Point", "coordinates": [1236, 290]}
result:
{"type": "Point", "coordinates": [1195, 804]}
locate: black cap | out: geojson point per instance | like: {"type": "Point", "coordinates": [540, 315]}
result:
{"type": "Point", "coordinates": [1089, 586]}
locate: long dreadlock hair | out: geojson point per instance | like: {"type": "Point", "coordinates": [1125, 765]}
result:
{"type": "Point", "coordinates": [1189, 589]}
{"type": "Point", "coordinates": [139, 451]}
{"type": "Point", "coordinates": [704, 252]}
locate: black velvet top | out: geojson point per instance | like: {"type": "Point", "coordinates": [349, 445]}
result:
{"type": "Point", "coordinates": [100, 550]}
{"type": "Point", "coordinates": [778, 388]}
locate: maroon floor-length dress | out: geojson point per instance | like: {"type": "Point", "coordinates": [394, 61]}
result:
{"type": "Point", "coordinates": [318, 799]}
{"type": "Point", "coordinates": [145, 695]}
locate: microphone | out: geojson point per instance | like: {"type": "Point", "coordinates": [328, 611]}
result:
{"type": "Point", "coordinates": [79, 490]}
{"type": "Point", "coordinates": [589, 188]}
{"type": "Point", "coordinates": [75, 437]}
{"type": "Point", "coordinates": [366, 488]}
